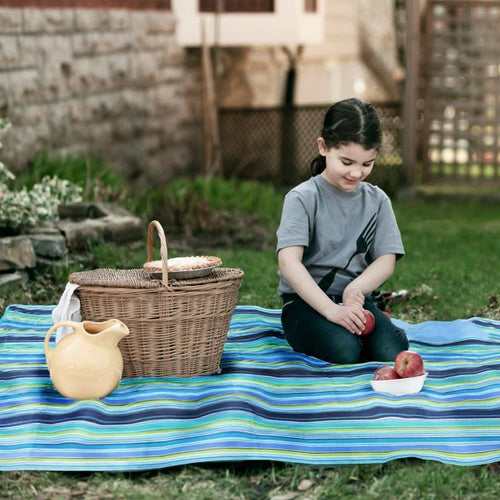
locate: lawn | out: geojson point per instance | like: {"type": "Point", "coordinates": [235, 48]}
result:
{"type": "Point", "coordinates": [451, 271]}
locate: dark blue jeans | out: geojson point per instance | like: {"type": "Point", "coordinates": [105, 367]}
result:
{"type": "Point", "coordinates": [309, 332]}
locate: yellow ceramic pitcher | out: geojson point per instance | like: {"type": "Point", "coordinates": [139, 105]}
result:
{"type": "Point", "coordinates": [87, 363]}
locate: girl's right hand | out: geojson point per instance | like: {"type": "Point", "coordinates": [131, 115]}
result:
{"type": "Point", "coordinates": [351, 317]}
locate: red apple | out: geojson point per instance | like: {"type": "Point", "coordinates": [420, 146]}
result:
{"type": "Point", "coordinates": [385, 373]}
{"type": "Point", "coordinates": [409, 364]}
{"type": "Point", "coordinates": [370, 323]}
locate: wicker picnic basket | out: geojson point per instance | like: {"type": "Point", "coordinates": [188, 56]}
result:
{"type": "Point", "coordinates": [177, 327]}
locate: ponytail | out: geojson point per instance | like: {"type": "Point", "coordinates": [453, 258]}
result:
{"type": "Point", "coordinates": [317, 165]}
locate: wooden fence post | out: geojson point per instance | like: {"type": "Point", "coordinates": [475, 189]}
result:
{"type": "Point", "coordinates": [411, 90]}
{"type": "Point", "coordinates": [211, 135]}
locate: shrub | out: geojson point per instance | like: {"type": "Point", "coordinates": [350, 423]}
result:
{"type": "Point", "coordinates": [214, 204]}
{"type": "Point", "coordinates": [27, 207]}
{"type": "Point", "coordinates": [99, 182]}
{"type": "Point", "coordinates": [388, 176]}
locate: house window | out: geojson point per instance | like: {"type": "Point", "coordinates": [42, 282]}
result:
{"type": "Point", "coordinates": [237, 5]}
{"type": "Point", "coordinates": [310, 5]}
{"type": "Point", "coordinates": [91, 4]}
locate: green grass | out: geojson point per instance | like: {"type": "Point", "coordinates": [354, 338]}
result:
{"type": "Point", "coordinates": [451, 270]}
{"type": "Point", "coordinates": [452, 248]}
{"type": "Point", "coordinates": [450, 267]}
{"type": "Point", "coordinates": [465, 191]}
{"type": "Point", "coordinates": [408, 478]}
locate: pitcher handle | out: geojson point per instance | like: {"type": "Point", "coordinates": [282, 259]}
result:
{"type": "Point", "coordinates": [48, 349]}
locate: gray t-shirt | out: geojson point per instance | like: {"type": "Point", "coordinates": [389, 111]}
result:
{"type": "Point", "coordinates": [338, 230]}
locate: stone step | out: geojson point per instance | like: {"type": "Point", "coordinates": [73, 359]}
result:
{"type": "Point", "coordinates": [80, 224]}
{"type": "Point", "coordinates": [91, 210]}
{"type": "Point", "coordinates": [16, 252]}
{"type": "Point", "coordinates": [13, 280]}
{"type": "Point", "coordinates": [118, 229]}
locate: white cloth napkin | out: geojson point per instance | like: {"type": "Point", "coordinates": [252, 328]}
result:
{"type": "Point", "coordinates": [68, 309]}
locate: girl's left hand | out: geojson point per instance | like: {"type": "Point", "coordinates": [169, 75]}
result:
{"type": "Point", "coordinates": [353, 296]}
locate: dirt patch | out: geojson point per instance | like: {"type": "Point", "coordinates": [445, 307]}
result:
{"type": "Point", "coordinates": [235, 231]}
{"type": "Point", "coordinates": [492, 310]}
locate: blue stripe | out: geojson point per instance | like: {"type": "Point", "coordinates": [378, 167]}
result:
{"type": "Point", "coordinates": [269, 403]}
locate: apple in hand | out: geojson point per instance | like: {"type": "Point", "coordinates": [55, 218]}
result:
{"type": "Point", "coordinates": [370, 323]}
{"type": "Point", "coordinates": [409, 364]}
{"type": "Point", "coordinates": [385, 373]}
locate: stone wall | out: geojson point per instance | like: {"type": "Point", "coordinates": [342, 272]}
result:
{"type": "Point", "coordinates": [76, 78]}
{"type": "Point", "coordinates": [110, 82]}
{"type": "Point", "coordinates": [49, 244]}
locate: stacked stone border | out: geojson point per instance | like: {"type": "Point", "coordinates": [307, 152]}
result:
{"type": "Point", "coordinates": [51, 244]}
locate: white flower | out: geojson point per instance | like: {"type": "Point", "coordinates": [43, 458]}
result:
{"type": "Point", "coordinates": [5, 174]}
{"type": "Point", "coordinates": [27, 208]}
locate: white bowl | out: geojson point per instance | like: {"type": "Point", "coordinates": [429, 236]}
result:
{"type": "Point", "coordinates": [400, 386]}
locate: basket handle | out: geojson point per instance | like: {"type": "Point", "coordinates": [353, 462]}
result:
{"type": "Point", "coordinates": [163, 248]}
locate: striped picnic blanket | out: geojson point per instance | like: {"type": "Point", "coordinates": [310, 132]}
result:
{"type": "Point", "coordinates": [269, 403]}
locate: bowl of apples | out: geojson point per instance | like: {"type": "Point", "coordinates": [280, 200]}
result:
{"type": "Point", "coordinates": [407, 376]}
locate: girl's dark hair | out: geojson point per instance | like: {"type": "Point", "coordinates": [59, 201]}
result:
{"type": "Point", "coordinates": [351, 120]}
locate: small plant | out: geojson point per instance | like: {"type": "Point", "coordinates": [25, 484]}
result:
{"type": "Point", "coordinates": [201, 204]}
{"type": "Point", "coordinates": [27, 207]}
{"type": "Point", "coordinates": [97, 179]}
{"type": "Point", "coordinates": [218, 211]}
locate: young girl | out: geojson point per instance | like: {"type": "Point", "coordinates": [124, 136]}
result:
{"type": "Point", "coordinates": [338, 241]}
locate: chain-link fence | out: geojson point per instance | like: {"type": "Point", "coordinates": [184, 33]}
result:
{"type": "Point", "coordinates": [277, 144]}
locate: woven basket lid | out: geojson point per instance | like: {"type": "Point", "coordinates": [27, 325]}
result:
{"type": "Point", "coordinates": [139, 278]}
